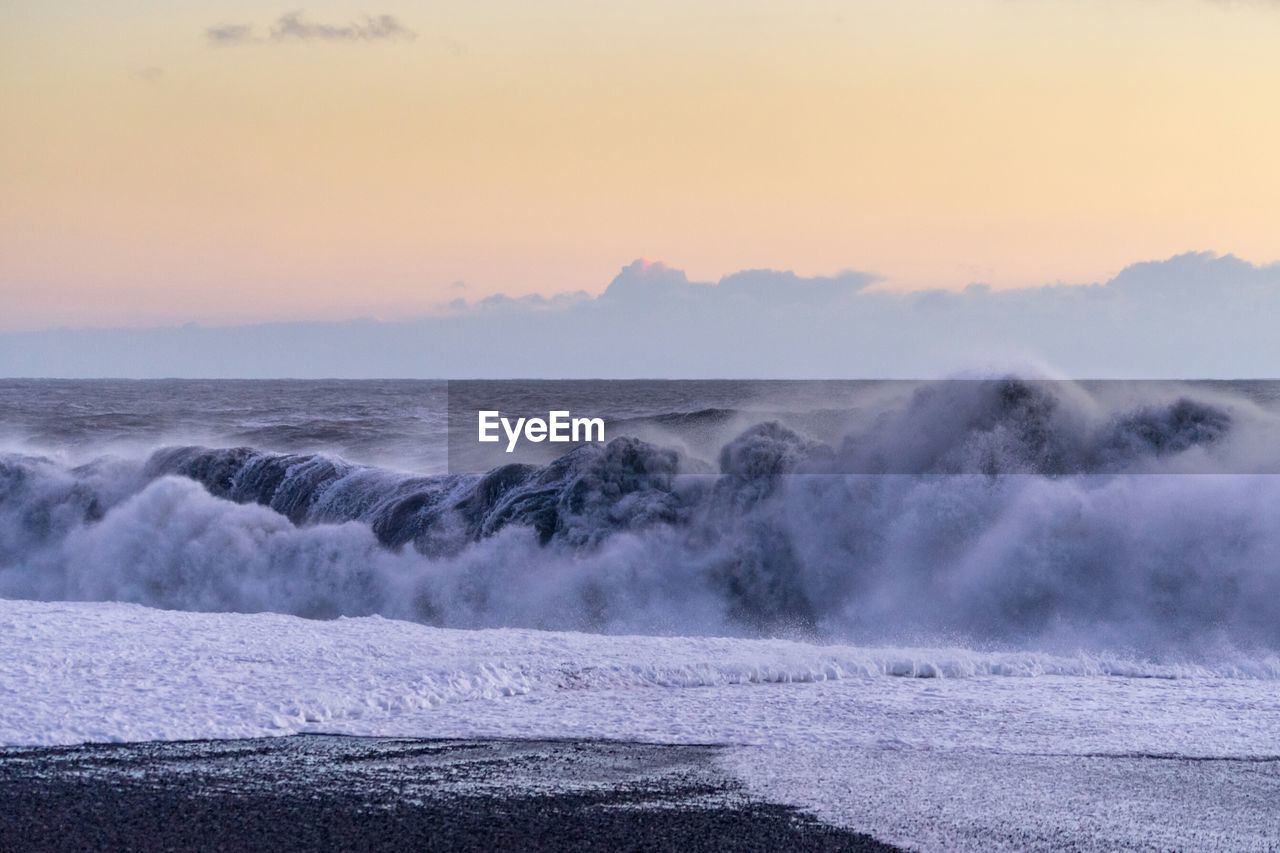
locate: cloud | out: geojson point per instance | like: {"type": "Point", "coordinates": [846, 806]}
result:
{"type": "Point", "coordinates": [295, 26]}
{"type": "Point", "coordinates": [1196, 315]}
{"type": "Point", "coordinates": [372, 28]}
{"type": "Point", "coordinates": [642, 283]}
{"type": "Point", "coordinates": [150, 74]}
{"type": "Point", "coordinates": [228, 34]}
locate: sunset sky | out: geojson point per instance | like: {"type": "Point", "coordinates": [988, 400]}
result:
{"type": "Point", "coordinates": [178, 161]}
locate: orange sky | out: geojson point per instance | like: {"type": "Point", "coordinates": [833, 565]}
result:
{"type": "Point", "coordinates": [149, 176]}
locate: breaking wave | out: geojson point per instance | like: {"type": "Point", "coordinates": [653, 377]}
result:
{"type": "Point", "coordinates": [1003, 513]}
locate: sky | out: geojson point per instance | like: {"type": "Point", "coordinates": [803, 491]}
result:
{"type": "Point", "coordinates": [165, 163]}
{"type": "Point", "coordinates": [1193, 316]}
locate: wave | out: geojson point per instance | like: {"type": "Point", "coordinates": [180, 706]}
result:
{"type": "Point", "coordinates": [1001, 513]}
{"type": "Point", "coordinates": [234, 675]}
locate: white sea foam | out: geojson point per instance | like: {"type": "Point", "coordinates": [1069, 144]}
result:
{"type": "Point", "coordinates": [82, 672]}
{"type": "Point", "coordinates": [941, 749]}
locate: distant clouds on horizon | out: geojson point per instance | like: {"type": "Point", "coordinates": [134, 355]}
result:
{"type": "Point", "coordinates": [1196, 315]}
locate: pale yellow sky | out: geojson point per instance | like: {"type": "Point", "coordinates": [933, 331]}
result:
{"type": "Point", "coordinates": [149, 176]}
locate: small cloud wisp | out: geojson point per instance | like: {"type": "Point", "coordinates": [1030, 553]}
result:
{"type": "Point", "coordinates": [295, 26]}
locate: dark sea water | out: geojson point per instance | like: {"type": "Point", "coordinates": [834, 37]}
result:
{"type": "Point", "coordinates": [1136, 516]}
{"type": "Point", "coordinates": [396, 423]}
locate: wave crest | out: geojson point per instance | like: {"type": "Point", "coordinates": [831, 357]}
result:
{"type": "Point", "coordinates": [1002, 512]}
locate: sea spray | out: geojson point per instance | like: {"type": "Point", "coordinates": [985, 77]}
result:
{"type": "Point", "coordinates": [1006, 513]}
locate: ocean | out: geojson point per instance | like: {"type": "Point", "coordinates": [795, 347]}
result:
{"type": "Point", "coordinates": [1067, 591]}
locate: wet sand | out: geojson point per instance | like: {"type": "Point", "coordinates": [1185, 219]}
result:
{"type": "Point", "coordinates": [320, 792]}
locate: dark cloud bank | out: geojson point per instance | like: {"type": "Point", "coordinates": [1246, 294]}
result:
{"type": "Point", "coordinates": [1192, 316]}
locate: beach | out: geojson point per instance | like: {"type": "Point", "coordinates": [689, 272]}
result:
{"type": "Point", "coordinates": [309, 792]}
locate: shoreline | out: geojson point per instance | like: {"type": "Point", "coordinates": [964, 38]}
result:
{"type": "Point", "coordinates": [332, 792]}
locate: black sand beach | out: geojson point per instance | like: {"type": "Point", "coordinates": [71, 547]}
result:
{"type": "Point", "coordinates": [341, 793]}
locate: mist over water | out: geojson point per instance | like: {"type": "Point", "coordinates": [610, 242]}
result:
{"type": "Point", "coordinates": [1134, 518]}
